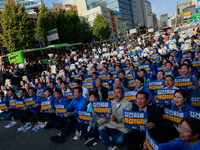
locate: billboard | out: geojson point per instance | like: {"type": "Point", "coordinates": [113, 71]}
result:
{"type": "Point", "coordinates": [30, 3]}
{"type": "Point", "coordinates": [198, 5]}
{"type": "Point", "coordinates": [187, 14]}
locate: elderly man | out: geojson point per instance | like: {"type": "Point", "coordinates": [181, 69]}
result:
{"type": "Point", "coordinates": [136, 138]}
{"type": "Point", "coordinates": [102, 91]}
{"type": "Point", "coordinates": [114, 126]}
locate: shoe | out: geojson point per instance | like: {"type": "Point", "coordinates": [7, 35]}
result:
{"type": "Point", "coordinates": [112, 148]}
{"type": "Point", "coordinates": [90, 141]}
{"type": "Point", "coordinates": [48, 126]}
{"type": "Point", "coordinates": [58, 139]}
{"type": "Point", "coordinates": [40, 123]}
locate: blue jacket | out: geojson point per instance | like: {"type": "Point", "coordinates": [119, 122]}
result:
{"type": "Point", "coordinates": [35, 110]}
{"type": "Point", "coordinates": [64, 101]}
{"type": "Point", "coordinates": [196, 92]}
{"type": "Point", "coordinates": [52, 99]}
{"type": "Point", "coordinates": [76, 105]}
{"type": "Point", "coordinates": [179, 145]}
{"type": "Point", "coordinates": [94, 84]}
{"type": "Point", "coordinates": [4, 100]}
{"type": "Point", "coordinates": [144, 88]}
{"type": "Point", "coordinates": [110, 84]}
{"type": "Point", "coordinates": [187, 107]}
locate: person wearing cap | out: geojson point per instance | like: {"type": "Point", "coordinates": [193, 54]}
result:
{"type": "Point", "coordinates": [102, 91]}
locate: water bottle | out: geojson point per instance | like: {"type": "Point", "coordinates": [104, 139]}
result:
{"type": "Point", "coordinates": [12, 118]}
{"type": "Point", "coordinates": [77, 134]}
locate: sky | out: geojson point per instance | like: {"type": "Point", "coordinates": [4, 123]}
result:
{"type": "Point", "coordinates": [160, 6]}
{"type": "Point", "coordinates": [165, 6]}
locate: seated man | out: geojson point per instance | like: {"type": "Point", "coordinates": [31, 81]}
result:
{"type": "Point", "coordinates": [142, 74]}
{"type": "Point", "coordinates": [22, 95]}
{"type": "Point", "coordinates": [124, 80]}
{"type": "Point", "coordinates": [54, 120]}
{"type": "Point", "coordinates": [114, 126]}
{"type": "Point", "coordinates": [102, 91]}
{"type": "Point", "coordinates": [118, 83]}
{"type": "Point", "coordinates": [29, 114]}
{"type": "Point", "coordinates": [185, 75]}
{"type": "Point", "coordinates": [85, 92]}
{"type": "Point", "coordinates": [139, 86]}
{"type": "Point", "coordinates": [137, 137]}
{"type": "Point", "coordinates": [79, 103]}
{"type": "Point", "coordinates": [110, 81]}
{"type": "Point", "coordinates": [170, 70]}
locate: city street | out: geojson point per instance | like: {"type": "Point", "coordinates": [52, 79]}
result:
{"type": "Point", "coordinates": [11, 138]}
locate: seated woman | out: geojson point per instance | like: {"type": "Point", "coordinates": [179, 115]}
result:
{"type": "Point", "coordinates": [180, 104]}
{"type": "Point", "coordinates": [90, 131]}
{"type": "Point", "coordinates": [189, 136]}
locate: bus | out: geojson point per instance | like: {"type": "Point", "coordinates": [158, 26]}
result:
{"type": "Point", "coordinates": [39, 53]}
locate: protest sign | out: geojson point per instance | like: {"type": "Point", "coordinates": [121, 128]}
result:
{"type": "Point", "coordinates": [165, 95]}
{"type": "Point", "coordinates": [151, 144]}
{"type": "Point", "coordinates": [135, 119]}
{"type": "Point", "coordinates": [61, 110]}
{"type": "Point", "coordinates": [12, 103]}
{"type": "Point", "coordinates": [46, 106]}
{"type": "Point", "coordinates": [131, 96]}
{"type": "Point", "coordinates": [20, 105]}
{"type": "Point", "coordinates": [175, 116]}
{"type": "Point", "coordinates": [86, 117]}
{"type": "Point", "coordinates": [103, 109]}
{"type": "Point", "coordinates": [30, 102]}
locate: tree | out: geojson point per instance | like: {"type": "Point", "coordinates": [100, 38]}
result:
{"type": "Point", "coordinates": [18, 31]}
{"type": "Point", "coordinates": [101, 28]}
{"type": "Point", "coordinates": [46, 22]}
{"type": "Point", "coordinates": [76, 27]}
{"type": "Point", "coordinates": [87, 31]}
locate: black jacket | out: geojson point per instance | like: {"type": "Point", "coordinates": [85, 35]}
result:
{"type": "Point", "coordinates": [154, 116]}
{"type": "Point", "coordinates": [104, 93]}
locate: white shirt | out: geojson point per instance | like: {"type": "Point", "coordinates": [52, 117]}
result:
{"type": "Point", "coordinates": [174, 88]}
{"type": "Point", "coordinates": [145, 109]}
{"type": "Point", "coordinates": [118, 104]}
{"type": "Point", "coordinates": [85, 92]}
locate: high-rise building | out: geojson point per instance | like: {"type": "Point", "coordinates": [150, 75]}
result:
{"type": "Point", "coordinates": [2, 4]}
{"type": "Point", "coordinates": [164, 20]}
{"type": "Point", "coordinates": [127, 8]}
{"type": "Point", "coordinates": [144, 10]}
{"type": "Point", "coordinates": [90, 15]}
{"type": "Point", "coordinates": [29, 4]}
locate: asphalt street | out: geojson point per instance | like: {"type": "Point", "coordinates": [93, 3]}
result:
{"type": "Point", "coordinates": [12, 139]}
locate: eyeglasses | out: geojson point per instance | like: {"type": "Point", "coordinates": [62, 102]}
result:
{"type": "Point", "coordinates": [184, 129]}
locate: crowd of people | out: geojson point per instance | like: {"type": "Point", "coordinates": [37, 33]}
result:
{"type": "Point", "coordinates": [169, 62]}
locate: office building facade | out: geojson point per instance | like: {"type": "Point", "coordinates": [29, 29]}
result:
{"type": "Point", "coordinates": [127, 8]}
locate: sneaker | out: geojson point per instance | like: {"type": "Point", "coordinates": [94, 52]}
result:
{"type": "Point", "coordinates": [58, 138]}
{"type": "Point", "coordinates": [90, 141]}
{"type": "Point", "coordinates": [112, 148]}
{"type": "Point", "coordinates": [39, 123]}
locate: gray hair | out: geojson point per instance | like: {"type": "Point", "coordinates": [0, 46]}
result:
{"type": "Point", "coordinates": [98, 79]}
